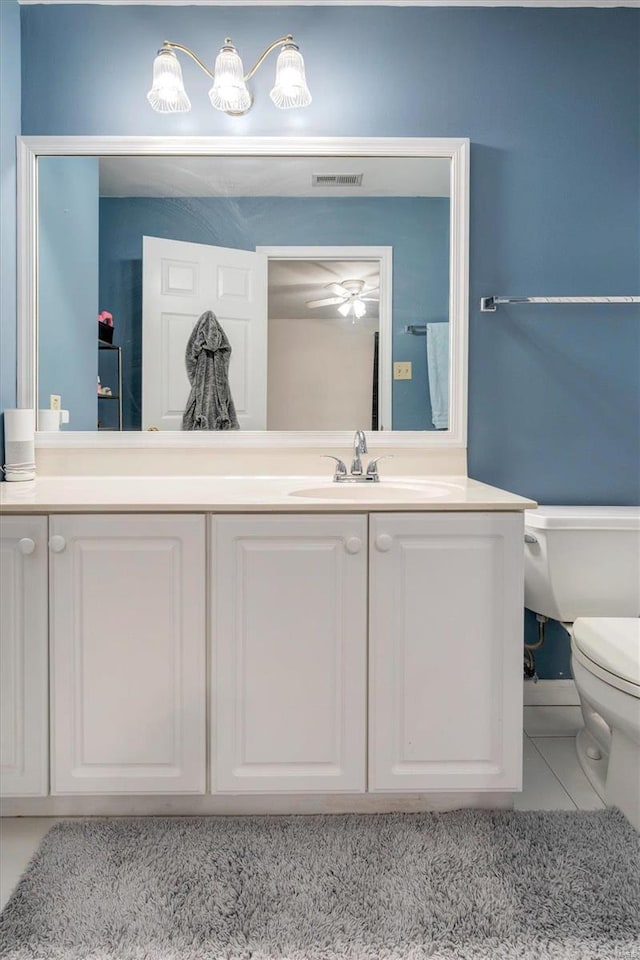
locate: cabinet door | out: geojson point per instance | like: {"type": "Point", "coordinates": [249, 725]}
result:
{"type": "Point", "coordinates": [23, 657]}
{"type": "Point", "coordinates": [446, 615]}
{"type": "Point", "coordinates": [289, 656]}
{"type": "Point", "coordinates": [128, 654]}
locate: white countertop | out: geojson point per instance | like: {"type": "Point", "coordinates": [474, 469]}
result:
{"type": "Point", "coordinates": [250, 494]}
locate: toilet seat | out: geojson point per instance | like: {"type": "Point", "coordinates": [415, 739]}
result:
{"type": "Point", "coordinates": [609, 648]}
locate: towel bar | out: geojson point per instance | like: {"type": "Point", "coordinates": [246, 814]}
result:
{"type": "Point", "coordinates": [490, 304]}
{"type": "Point", "coordinates": [416, 328]}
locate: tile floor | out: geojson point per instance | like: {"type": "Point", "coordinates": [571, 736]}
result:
{"type": "Point", "coordinates": [553, 780]}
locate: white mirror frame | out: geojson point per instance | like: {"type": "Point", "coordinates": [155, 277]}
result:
{"type": "Point", "coordinates": [454, 149]}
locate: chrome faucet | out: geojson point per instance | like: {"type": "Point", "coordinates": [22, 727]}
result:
{"type": "Point", "coordinates": [357, 475]}
{"type": "Point", "coordinates": [359, 446]}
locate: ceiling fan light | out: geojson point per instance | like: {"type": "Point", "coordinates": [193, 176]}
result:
{"type": "Point", "coordinates": [167, 94]}
{"type": "Point", "coordinates": [359, 308]}
{"type": "Point", "coordinates": [229, 92]}
{"type": "Point", "coordinates": [345, 309]}
{"type": "Point", "coordinates": [290, 88]}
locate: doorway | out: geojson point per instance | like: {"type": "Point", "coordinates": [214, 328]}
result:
{"type": "Point", "coordinates": [329, 337]}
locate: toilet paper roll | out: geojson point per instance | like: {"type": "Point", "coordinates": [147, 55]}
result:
{"type": "Point", "coordinates": [19, 430]}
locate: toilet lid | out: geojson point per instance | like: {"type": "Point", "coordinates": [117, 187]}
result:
{"type": "Point", "coordinates": [611, 642]}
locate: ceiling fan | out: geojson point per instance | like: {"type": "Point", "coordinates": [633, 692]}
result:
{"type": "Point", "coordinates": [351, 295]}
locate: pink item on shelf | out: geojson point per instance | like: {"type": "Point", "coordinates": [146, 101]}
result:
{"type": "Point", "coordinates": [105, 325]}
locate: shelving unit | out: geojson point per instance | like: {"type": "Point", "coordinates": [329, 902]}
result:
{"type": "Point", "coordinates": [116, 397]}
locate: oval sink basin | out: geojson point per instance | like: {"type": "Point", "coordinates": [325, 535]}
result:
{"type": "Point", "coordinates": [383, 491]}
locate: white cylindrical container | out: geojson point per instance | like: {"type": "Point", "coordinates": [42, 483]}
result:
{"type": "Point", "coordinates": [49, 420]}
{"type": "Point", "coordinates": [19, 430]}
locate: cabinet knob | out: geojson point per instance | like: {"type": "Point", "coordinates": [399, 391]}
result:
{"type": "Point", "coordinates": [57, 543]}
{"type": "Point", "coordinates": [26, 545]}
{"type": "Point", "coordinates": [384, 542]}
{"type": "Point", "coordinates": [353, 545]}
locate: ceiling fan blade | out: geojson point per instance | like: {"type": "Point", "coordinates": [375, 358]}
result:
{"type": "Point", "coordinates": [369, 290]}
{"type": "Point", "coordinates": [338, 289]}
{"type": "Point", "coordinates": [327, 302]}
{"type": "Point", "coordinates": [369, 299]}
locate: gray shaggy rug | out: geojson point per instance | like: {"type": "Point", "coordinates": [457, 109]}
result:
{"type": "Point", "coordinates": [468, 885]}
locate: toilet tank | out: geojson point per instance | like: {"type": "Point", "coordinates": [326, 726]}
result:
{"type": "Point", "coordinates": [582, 562]}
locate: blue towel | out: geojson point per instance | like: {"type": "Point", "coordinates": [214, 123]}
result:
{"type": "Point", "coordinates": [438, 368]}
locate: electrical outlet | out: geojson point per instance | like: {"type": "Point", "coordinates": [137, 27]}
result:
{"type": "Point", "coordinates": [55, 401]}
{"type": "Point", "coordinates": [402, 370]}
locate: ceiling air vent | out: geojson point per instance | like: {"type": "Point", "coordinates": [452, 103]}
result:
{"type": "Point", "coordinates": [336, 179]}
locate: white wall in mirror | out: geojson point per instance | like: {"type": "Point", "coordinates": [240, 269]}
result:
{"type": "Point", "coordinates": [246, 173]}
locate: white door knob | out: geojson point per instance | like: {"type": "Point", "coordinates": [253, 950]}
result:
{"type": "Point", "coordinates": [384, 542]}
{"type": "Point", "coordinates": [57, 543]}
{"type": "Point", "coordinates": [26, 545]}
{"type": "Point", "coordinates": [353, 545]}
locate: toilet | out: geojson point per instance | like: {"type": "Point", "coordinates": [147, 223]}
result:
{"type": "Point", "coordinates": [582, 567]}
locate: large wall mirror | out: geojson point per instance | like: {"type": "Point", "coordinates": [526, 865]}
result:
{"type": "Point", "coordinates": [293, 286]}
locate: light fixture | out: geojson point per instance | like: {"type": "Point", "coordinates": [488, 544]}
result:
{"type": "Point", "coordinates": [357, 307]}
{"type": "Point", "coordinates": [167, 95]}
{"type": "Point", "coordinates": [229, 92]}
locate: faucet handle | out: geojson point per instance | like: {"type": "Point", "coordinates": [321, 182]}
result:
{"type": "Point", "coordinates": [341, 470]}
{"type": "Point", "coordinates": [372, 468]}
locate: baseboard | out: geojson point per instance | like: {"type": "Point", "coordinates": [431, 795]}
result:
{"type": "Point", "coordinates": [256, 805]}
{"type": "Point", "coordinates": [548, 693]}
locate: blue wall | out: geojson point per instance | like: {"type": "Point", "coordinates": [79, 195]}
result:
{"type": "Point", "coordinates": [549, 98]}
{"type": "Point", "coordinates": [68, 286]}
{"type": "Point", "coordinates": [9, 130]}
{"type": "Point", "coordinates": [416, 227]}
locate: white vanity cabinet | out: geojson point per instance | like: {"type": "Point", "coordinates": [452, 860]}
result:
{"type": "Point", "coordinates": [289, 663]}
{"type": "Point", "coordinates": [445, 651]}
{"type": "Point", "coordinates": [24, 727]}
{"type": "Point", "coordinates": [127, 621]}
{"type": "Point", "coordinates": [341, 653]}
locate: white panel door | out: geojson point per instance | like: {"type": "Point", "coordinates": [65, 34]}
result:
{"type": "Point", "coordinates": [288, 612]}
{"type": "Point", "coordinates": [24, 632]}
{"type": "Point", "coordinates": [127, 597]}
{"type": "Point", "coordinates": [446, 616]}
{"type": "Point", "coordinates": [179, 282]}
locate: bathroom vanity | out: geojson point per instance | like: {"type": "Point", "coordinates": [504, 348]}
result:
{"type": "Point", "coordinates": [200, 640]}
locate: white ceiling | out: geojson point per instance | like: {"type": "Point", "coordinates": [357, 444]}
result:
{"type": "Point", "coordinates": [271, 176]}
{"type": "Point", "coordinates": [293, 282]}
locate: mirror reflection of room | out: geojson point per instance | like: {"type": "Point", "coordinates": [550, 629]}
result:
{"type": "Point", "coordinates": [323, 350]}
{"type": "Point", "coordinates": [135, 251]}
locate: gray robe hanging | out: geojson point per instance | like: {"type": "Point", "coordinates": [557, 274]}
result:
{"type": "Point", "coordinates": [210, 405]}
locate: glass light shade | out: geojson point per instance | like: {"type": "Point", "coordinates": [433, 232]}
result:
{"type": "Point", "coordinates": [291, 88]}
{"type": "Point", "coordinates": [357, 307]}
{"type": "Point", "coordinates": [167, 94]}
{"type": "Point", "coordinates": [229, 91]}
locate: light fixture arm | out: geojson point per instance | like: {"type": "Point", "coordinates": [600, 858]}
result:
{"type": "Point", "coordinates": [265, 54]}
{"type": "Point", "coordinates": [170, 44]}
